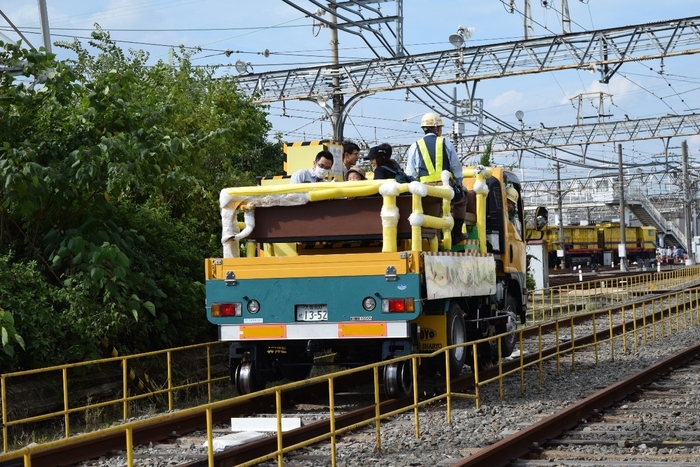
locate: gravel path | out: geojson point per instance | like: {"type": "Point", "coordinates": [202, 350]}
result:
{"type": "Point", "coordinates": [441, 444]}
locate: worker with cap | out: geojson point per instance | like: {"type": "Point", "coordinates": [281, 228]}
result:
{"type": "Point", "coordinates": [512, 197]}
{"type": "Point", "coordinates": [428, 157]}
{"type": "Point", "coordinates": [356, 174]}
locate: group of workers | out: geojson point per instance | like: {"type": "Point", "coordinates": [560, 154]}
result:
{"type": "Point", "coordinates": [426, 159]}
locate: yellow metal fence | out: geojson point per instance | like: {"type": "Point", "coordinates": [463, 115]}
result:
{"type": "Point", "coordinates": [555, 319]}
{"type": "Point", "coordinates": [638, 324]}
{"type": "Point", "coordinates": [599, 293]}
{"type": "Point", "coordinates": [177, 378]}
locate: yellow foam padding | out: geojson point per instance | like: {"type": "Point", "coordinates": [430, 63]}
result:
{"type": "Point", "coordinates": [346, 190]}
{"type": "Point", "coordinates": [326, 190]}
{"type": "Point", "coordinates": [326, 265]}
{"type": "Point", "coordinates": [317, 191]}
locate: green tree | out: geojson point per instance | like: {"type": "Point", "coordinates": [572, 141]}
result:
{"type": "Point", "coordinates": [111, 171]}
{"type": "Point", "coordinates": [486, 159]}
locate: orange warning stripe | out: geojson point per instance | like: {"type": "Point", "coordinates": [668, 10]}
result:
{"type": "Point", "coordinates": [266, 331]}
{"type": "Point", "coordinates": [362, 330]}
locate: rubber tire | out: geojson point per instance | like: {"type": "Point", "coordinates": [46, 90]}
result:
{"type": "Point", "coordinates": [508, 342]}
{"type": "Point", "coordinates": [398, 379]}
{"type": "Point", "coordinates": [456, 334]}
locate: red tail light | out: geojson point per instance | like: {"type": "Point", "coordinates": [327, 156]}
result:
{"type": "Point", "coordinates": [397, 305]}
{"type": "Point", "coordinates": [225, 309]}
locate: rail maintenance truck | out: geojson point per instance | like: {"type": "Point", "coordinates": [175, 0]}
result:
{"type": "Point", "coordinates": [365, 271]}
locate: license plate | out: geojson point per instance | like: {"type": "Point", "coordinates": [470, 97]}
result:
{"type": "Point", "coordinates": [312, 312]}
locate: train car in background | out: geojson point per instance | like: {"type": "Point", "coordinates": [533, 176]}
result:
{"type": "Point", "coordinates": [591, 245]}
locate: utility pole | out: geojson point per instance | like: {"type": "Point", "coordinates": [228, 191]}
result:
{"type": "Point", "coordinates": [527, 18]}
{"type": "Point", "coordinates": [45, 32]}
{"type": "Point", "coordinates": [622, 248]}
{"type": "Point", "coordinates": [335, 68]}
{"type": "Point", "coordinates": [455, 123]}
{"type": "Point", "coordinates": [565, 17]}
{"type": "Point", "coordinates": [562, 249]}
{"type": "Point", "coordinates": [686, 204]}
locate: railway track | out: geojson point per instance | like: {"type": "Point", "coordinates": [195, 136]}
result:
{"type": "Point", "coordinates": [646, 420]}
{"type": "Point", "coordinates": [564, 277]}
{"type": "Point", "coordinates": [538, 343]}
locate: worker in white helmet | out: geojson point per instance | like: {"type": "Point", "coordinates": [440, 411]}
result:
{"type": "Point", "coordinates": [512, 197]}
{"type": "Point", "coordinates": [428, 157]}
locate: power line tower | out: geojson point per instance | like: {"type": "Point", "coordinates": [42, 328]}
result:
{"type": "Point", "coordinates": [529, 29]}
{"type": "Point", "coordinates": [360, 18]}
{"type": "Point", "coordinates": [582, 99]}
{"type": "Point", "coordinates": [354, 17]}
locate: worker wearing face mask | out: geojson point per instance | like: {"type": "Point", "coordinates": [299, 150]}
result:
{"type": "Point", "coordinates": [322, 165]}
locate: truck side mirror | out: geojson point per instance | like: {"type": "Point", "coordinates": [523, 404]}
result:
{"type": "Point", "coordinates": [541, 218]}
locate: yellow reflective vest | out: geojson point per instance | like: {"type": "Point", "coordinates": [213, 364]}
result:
{"type": "Point", "coordinates": [433, 171]}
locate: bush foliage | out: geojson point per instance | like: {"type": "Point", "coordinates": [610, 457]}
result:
{"type": "Point", "coordinates": [111, 170]}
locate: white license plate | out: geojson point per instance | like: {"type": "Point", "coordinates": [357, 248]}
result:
{"type": "Point", "coordinates": [312, 312]}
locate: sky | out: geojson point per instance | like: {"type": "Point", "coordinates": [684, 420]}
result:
{"type": "Point", "coordinates": [246, 29]}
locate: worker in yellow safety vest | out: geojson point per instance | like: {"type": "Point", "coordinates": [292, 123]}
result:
{"type": "Point", "coordinates": [428, 157]}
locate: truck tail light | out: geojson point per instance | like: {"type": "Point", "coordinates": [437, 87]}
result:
{"type": "Point", "coordinates": [226, 309]}
{"type": "Point", "coordinates": [398, 305]}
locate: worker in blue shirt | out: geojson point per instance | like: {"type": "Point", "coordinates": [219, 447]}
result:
{"type": "Point", "coordinates": [428, 157]}
{"type": "Point", "coordinates": [323, 163]}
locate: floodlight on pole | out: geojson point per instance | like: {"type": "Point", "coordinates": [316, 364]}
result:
{"type": "Point", "coordinates": [243, 67]}
{"type": "Point", "coordinates": [461, 36]}
{"type": "Point", "coordinates": [519, 115]}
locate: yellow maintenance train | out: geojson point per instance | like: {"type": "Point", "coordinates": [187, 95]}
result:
{"type": "Point", "coordinates": [591, 245]}
{"type": "Point", "coordinates": [365, 270]}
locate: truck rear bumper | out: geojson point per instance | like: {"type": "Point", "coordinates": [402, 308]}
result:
{"type": "Point", "coordinates": [301, 331]}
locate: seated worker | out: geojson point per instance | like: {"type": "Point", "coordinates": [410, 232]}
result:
{"type": "Point", "coordinates": [512, 203]}
{"type": "Point", "coordinates": [383, 166]}
{"type": "Point", "coordinates": [351, 152]}
{"type": "Point", "coordinates": [355, 174]}
{"type": "Point", "coordinates": [322, 165]}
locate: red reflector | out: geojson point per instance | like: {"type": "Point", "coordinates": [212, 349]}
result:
{"type": "Point", "coordinates": [228, 309]}
{"type": "Point", "coordinates": [397, 305]}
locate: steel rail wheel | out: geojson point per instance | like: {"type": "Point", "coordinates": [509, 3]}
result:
{"type": "Point", "coordinates": [398, 379]}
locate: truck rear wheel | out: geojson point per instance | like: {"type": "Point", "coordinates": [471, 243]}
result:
{"type": "Point", "coordinates": [508, 342]}
{"type": "Point", "coordinates": [456, 334]}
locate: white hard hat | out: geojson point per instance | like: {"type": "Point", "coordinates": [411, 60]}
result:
{"type": "Point", "coordinates": [512, 194]}
{"type": "Point", "coordinates": [430, 120]}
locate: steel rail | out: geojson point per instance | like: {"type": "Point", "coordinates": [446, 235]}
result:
{"type": "Point", "coordinates": [508, 449]}
{"type": "Point", "coordinates": [269, 445]}
{"type": "Point", "coordinates": [84, 447]}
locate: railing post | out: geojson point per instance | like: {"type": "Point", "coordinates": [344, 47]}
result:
{"type": "Point", "coordinates": [66, 403]}
{"type": "Point", "coordinates": [377, 411]}
{"type": "Point", "coordinates": [3, 394]}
